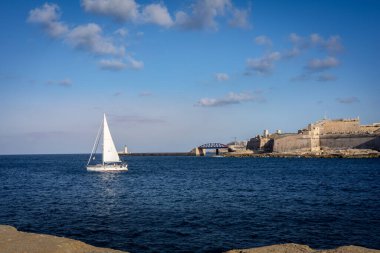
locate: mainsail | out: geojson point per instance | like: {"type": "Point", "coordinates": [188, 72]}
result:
{"type": "Point", "coordinates": [110, 154]}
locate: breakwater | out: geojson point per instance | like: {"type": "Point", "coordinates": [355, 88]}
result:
{"type": "Point", "coordinates": [159, 154]}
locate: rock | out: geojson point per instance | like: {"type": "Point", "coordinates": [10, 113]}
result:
{"type": "Point", "coordinates": [13, 241]}
{"type": "Point", "coordinates": [297, 248]}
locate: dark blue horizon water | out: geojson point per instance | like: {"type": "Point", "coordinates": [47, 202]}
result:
{"type": "Point", "coordinates": [194, 204]}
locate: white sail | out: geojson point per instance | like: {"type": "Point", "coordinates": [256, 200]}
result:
{"type": "Point", "coordinates": [109, 151]}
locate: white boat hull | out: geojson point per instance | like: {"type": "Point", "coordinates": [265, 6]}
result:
{"type": "Point", "coordinates": [108, 167]}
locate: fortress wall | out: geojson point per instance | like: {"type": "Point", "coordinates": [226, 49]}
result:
{"type": "Point", "coordinates": [339, 126]}
{"type": "Point", "coordinates": [350, 141]}
{"type": "Point", "coordinates": [369, 128]}
{"type": "Point", "coordinates": [291, 143]}
{"type": "Point", "coordinates": [253, 144]}
{"type": "Point", "coordinates": [259, 143]}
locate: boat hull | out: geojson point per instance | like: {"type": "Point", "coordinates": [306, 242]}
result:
{"type": "Point", "coordinates": [107, 167]}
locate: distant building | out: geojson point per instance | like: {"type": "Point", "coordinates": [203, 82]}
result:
{"type": "Point", "coordinates": [237, 145]}
{"type": "Point", "coordinates": [322, 135]}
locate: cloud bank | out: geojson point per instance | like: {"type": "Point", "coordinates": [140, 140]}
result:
{"type": "Point", "coordinates": [88, 37]}
{"type": "Point", "coordinates": [329, 46]}
{"type": "Point", "coordinates": [230, 99]}
{"type": "Point", "coordinates": [202, 14]}
{"type": "Point", "coordinates": [48, 17]}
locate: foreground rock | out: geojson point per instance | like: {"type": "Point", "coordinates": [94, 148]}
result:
{"type": "Point", "coordinates": [297, 248]}
{"type": "Point", "coordinates": [13, 241]}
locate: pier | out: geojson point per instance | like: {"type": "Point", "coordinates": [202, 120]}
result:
{"type": "Point", "coordinates": [198, 151]}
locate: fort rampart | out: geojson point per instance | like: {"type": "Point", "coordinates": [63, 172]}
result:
{"type": "Point", "coordinates": [322, 135]}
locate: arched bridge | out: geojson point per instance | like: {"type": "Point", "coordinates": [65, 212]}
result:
{"type": "Point", "coordinates": [201, 150]}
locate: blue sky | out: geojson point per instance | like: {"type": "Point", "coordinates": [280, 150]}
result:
{"type": "Point", "coordinates": [172, 75]}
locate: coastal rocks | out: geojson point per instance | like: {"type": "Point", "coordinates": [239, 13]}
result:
{"type": "Point", "coordinates": [297, 248]}
{"type": "Point", "coordinates": [13, 241]}
{"type": "Point", "coordinates": [343, 153]}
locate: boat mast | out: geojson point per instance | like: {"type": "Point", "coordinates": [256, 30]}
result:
{"type": "Point", "coordinates": [96, 143]}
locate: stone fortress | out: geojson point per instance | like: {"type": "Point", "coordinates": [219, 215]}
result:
{"type": "Point", "coordinates": [322, 136]}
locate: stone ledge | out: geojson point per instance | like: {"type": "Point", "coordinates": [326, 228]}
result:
{"type": "Point", "coordinates": [13, 241]}
{"type": "Point", "coordinates": [298, 248]}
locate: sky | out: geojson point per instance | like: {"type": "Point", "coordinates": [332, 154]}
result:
{"type": "Point", "coordinates": [173, 75]}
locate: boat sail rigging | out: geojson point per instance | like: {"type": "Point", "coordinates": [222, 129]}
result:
{"type": "Point", "coordinates": [110, 160]}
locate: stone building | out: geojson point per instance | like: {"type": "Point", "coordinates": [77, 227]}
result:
{"type": "Point", "coordinates": [322, 135]}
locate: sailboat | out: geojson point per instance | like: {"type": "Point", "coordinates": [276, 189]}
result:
{"type": "Point", "coordinates": [111, 160]}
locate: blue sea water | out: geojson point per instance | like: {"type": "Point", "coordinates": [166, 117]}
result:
{"type": "Point", "coordinates": [195, 204]}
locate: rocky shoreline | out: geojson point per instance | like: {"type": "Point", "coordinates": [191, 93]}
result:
{"type": "Point", "coordinates": [14, 241]}
{"type": "Point", "coordinates": [346, 153]}
{"type": "Point", "coordinates": [298, 248]}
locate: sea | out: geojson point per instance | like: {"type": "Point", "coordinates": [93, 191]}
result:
{"type": "Point", "coordinates": [195, 204]}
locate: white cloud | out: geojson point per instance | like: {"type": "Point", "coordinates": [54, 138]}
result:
{"type": "Point", "coordinates": [332, 44]}
{"type": "Point", "coordinates": [130, 11]}
{"type": "Point", "coordinates": [221, 77]}
{"type": "Point", "coordinates": [263, 40]}
{"type": "Point", "coordinates": [310, 76]}
{"type": "Point", "coordinates": [231, 98]}
{"type": "Point", "coordinates": [291, 53]}
{"type": "Point", "coordinates": [295, 38]}
{"type": "Point", "coordinates": [264, 64]}
{"type": "Point", "coordinates": [204, 13]}
{"type": "Point", "coordinates": [135, 64]}
{"type": "Point", "coordinates": [316, 39]}
{"type": "Point", "coordinates": [89, 37]}
{"type": "Point", "coordinates": [240, 18]}
{"type": "Point", "coordinates": [121, 32]}
{"type": "Point", "coordinates": [48, 17]}
{"type": "Point", "coordinates": [113, 64]}
{"type": "Point", "coordinates": [118, 64]}
{"type": "Point", "coordinates": [322, 64]}
{"type": "Point", "coordinates": [156, 14]}
{"type": "Point", "coordinates": [121, 10]}
{"type": "Point", "coordinates": [348, 100]}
